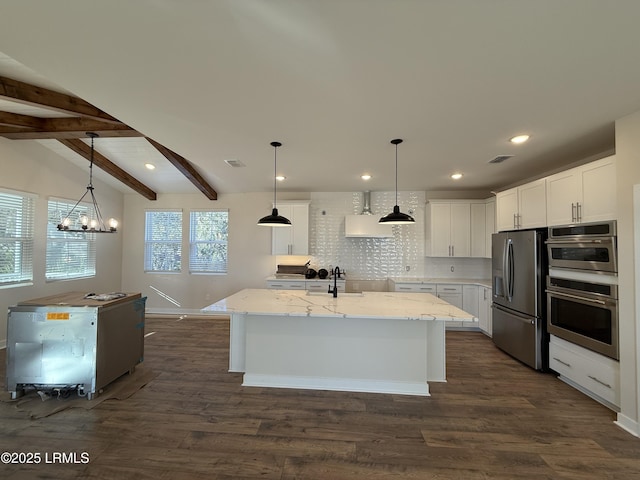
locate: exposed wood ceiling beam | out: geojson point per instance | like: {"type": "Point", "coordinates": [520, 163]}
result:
{"type": "Point", "coordinates": [21, 92]}
{"type": "Point", "coordinates": [17, 120]}
{"type": "Point", "coordinates": [84, 117]}
{"type": "Point", "coordinates": [187, 170]}
{"type": "Point", "coordinates": [108, 166]}
{"type": "Point", "coordinates": [57, 128]}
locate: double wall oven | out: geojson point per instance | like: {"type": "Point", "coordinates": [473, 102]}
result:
{"type": "Point", "coordinates": [582, 292]}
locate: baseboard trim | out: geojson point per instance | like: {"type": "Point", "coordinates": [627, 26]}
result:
{"type": "Point", "coordinates": [336, 384]}
{"type": "Point", "coordinates": [628, 425]}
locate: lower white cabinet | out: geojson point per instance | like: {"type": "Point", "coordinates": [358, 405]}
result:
{"type": "Point", "coordinates": [416, 287]}
{"type": "Point", "coordinates": [484, 310]}
{"type": "Point", "coordinates": [593, 374]}
{"type": "Point", "coordinates": [286, 284]}
{"type": "Point", "coordinates": [469, 297]}
{"type": "Point", "coordinates": [309, 284]}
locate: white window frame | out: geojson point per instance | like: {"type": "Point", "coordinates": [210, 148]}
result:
{"type": "Point", "coordinates": [219, 241]}
{"type": "Point", "coordinates": [17, 212]}
{"type": "Point", "coordinates": [69, 255]}
{"type": "Point", "coordinates": [158, 240]}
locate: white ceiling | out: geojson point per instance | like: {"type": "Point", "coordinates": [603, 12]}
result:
{"type": "Point", "coordinates": [335, 81]}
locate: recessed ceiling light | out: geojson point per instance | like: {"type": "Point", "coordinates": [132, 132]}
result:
{"type": "Point", "coordinates": [150, 166]}
{"type": "Point", "coordinates": [280, 178]}
{"type": "Point", "coordinates": [519, 138]}
{"type": "Point", "coordinates": [366, 176]}
{"type": "Point", "coordinates": [456, 176]}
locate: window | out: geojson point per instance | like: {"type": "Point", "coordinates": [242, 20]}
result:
{"type": "Point", "coordinates": [69, 254]}
{"type": "Point", "coordinates": [16, 237]}
{"type": "Point", "coordinates": [208, 234]}
{"type": "Point", "coordinates": [163, 241]}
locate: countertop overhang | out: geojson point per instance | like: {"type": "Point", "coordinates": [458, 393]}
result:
{"type": "Point", "coordinates": [389, 305]}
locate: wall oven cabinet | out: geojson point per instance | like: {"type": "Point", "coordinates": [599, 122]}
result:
{"type": "Point", "coordinates": [594, 375]}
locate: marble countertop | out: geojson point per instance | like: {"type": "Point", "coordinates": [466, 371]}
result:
{"type": "Point", "coordinates": [485, 282]}
{"type": "Point", "coordinates": [391, 305]}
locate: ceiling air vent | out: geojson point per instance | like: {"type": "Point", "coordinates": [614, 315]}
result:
{"type": "Point", "coordinates": [234, 163]}
{"type": "Point", "coordinates": [500, 158]}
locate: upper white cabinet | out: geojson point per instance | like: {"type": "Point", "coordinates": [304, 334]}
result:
{"type": "Point", "coordinates": [583, 194]}
{"type": "Point", "coordinates": [522, 207]}
{"type": "Point", "coordinates": [459, 228]}
{"type": "Point", "coordinates": [292, 240]}
{"type": "Point", "coordinates": [483, 224]}
{"type": "Point", "coordinates": [448, 228]}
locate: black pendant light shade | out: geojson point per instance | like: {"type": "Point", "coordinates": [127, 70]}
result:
{"type": "Point", "coordinates": [274, 220]}
{"type": "Point", "coordinates": [397, 217]}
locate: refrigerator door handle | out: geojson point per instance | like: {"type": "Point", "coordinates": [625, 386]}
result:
{"type": "Point", "coordinates": [509, 269]}
{"type": "Point", "coordinates": [523, 318]}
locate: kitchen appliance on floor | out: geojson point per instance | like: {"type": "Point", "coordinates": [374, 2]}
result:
{"type": "Point", "coordinates": [519, 267]}
{"type": "Point", "coordinates": [73, 342]}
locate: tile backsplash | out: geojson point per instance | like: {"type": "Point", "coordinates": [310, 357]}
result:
{"type": "Point", "coordinates": [372, 260]}
{"type": "Point", "coordinates": [367, 258]}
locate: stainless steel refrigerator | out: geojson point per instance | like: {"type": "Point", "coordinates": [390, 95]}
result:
{"type": "Point", "coordinates": [519, 267]}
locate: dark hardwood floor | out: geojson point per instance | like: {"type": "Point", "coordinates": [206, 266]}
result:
{"type": "Point", "coordinates": [494, 418]}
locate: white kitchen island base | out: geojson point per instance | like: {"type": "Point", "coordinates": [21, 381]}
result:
{"type": "Point", "coordinates": [299, 341]}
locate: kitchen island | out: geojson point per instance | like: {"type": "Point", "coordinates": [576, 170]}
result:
{"type": "Point", "coordinates": [380, 342]}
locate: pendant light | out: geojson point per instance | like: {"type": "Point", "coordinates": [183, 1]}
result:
{"type": "Point", "coordinates": [397, 217]}
{"type": "Point", "coordinates": [274, 220]}
{"type": "Point", "coordinates": [89, 225]}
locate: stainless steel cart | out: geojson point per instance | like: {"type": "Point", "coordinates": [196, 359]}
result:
{"type": "Point", "coordinates": [66, 342]}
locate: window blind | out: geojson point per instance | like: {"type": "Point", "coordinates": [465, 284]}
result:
{"type": "Point", "coordinates": [208, 235]}
{"type": "Point", "coordinates": [17, 211]}
{"type": "Point", "coordinates": [69, 254]}
{"type": "Point", "coordinates": [163, 241]}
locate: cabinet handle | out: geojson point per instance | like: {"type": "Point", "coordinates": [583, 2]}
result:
{"type": "Point", "coordinates": [515, 221]}
{"type": "Point", "coordinates": [560, 361]}
{"type": "Point", "coordinates": [573, 213]}
{"type": "Point", "coordinates": [453, 250]}
{"type": "Point", "coordinates": [579, 211]}
{"type": "Point", "coordinates": [404, 288]}
{"type": "Point", "coordinates": [450, 289]}
{"type": "Point", "coordinates": [599, 381]}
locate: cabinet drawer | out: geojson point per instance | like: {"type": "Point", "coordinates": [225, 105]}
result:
{"type": "Point", "coordinates": [595, 373]}
{"type": "Point", "coordinates": [415, 287]}
{"type": "Point", "coordinates": [295, 285]}
{"type": "Point", "coordinates": [449, 288]}
{"type": "Point", "coordinates": [426, 288]}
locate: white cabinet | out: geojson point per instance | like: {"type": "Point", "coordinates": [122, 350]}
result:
{"type": "Point", "coordinates": [522, 207]}
{"type": "Point", "coordinates": [484, 310]}
{"type": "Point", "coordinates": [292, 240]}
{"type": "Point", "coordinates": [470, 299]}
{"type": "Point", "coordinates": [583, 194]}
{"type": "Point", "coordinates": [450, 293]}
{"type": "Point", "coordinates": [483, 220]}
{"type": "Point", "coordinates": [415, 287]}
{"type": "Point", "coordinates": [591, 373]}
{"type": "Point", "coordinates": [312, 285]}
{"type": "Point", "coordinates": [448, 229]}
{"type": "Point", "coordinates": [286, 284]}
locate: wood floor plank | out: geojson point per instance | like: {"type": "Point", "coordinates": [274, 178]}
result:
{"type": "Point", "coordinates": [493, 418]}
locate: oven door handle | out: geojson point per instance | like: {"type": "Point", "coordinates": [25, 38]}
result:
{"type": "Point", "coordinates": [576, 297]}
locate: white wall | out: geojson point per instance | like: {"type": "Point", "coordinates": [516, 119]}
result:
{"type": "Point", "coordinates": [28, 166]}
{"type": "Point", "coordinates": [628, 175]}
{"type": "Point", "coordinates": [250, 260]}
